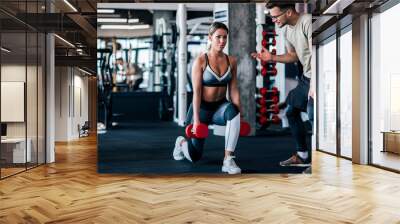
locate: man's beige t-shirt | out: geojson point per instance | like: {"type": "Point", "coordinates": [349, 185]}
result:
{"type": "Point", "coordinates": [298, 38]}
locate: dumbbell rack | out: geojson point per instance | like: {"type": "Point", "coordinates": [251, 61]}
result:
{"type": "Point", "coordinates": [267, 96]}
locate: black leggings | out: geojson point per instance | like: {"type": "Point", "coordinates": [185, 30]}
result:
{"type": "Point", "coordinates": [218, 113]}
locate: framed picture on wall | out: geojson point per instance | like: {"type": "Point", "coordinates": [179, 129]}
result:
{"type": "Point", "coordinates": [12, 101]}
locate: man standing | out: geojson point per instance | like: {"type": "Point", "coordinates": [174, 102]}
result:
{"type": "Point", "coordinates": [297, 31]}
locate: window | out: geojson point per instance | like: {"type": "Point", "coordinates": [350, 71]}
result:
{"type": "Point", "coordinates": [14, 68]}
{"type": "Point", "coordinates": [22, 76]}
{"type": "Point", "coordinates": [327, 96]}
{"type": "Point", "coordinates": [385, 89]}
{"type": "Point", "coordinates": [346, 93]}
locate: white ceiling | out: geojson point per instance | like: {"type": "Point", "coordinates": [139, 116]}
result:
{"type": "Point", "coordinates": [158, 6]}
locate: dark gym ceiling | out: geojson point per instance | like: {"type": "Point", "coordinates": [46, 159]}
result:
{"type": "Point", "coordinates": [79, 26]}
{"type": "Point", "coordinates": [110, 15]}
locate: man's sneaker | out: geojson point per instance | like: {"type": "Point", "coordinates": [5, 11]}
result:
{"type": "Point", "coordinates": [178, 154]}
{"type": "Point", "coordinates": [229, 166]}
{"type": "Point", "coordinates": [295, 160]}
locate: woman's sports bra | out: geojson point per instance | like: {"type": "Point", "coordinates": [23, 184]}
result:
{"type": "Point", "coordinates": [210, 78]}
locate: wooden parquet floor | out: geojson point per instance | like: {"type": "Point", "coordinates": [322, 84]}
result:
{"type": "Point", "coordinates": [71, 191]}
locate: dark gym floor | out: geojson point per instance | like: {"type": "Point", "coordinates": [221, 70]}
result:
{"type": "Point", "coordinates": [146, 147]}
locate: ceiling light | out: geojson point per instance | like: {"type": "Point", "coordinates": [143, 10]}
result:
{"type": "Point", "coordinates": [111, 20]}
{"type": "Point", "coordinates": [5, 49]}
{"type": "Point", "coordinates": [115, 15]}
{"type": "Point", "coordinates": [125, 27]}
{"type": "Point", "coordinates": [70, 5]}
{"type": "Point", "coordinates": [64, 40]}
{"type": "Point", "coordinates": [105, 10]}
{"type": "Point", "coordinates": [133, 20]}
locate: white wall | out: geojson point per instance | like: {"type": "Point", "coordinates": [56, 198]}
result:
{"type": "Point", "coordinates": [71, 102]}
{"type": "Point", "coordinates": [14, 73]}
{"type": "Point", "coordinates": [80, 111]}
{"type": "Point", "coordinates": [33, 126]}
{"type": "Point", "coordinates": [61, 103]}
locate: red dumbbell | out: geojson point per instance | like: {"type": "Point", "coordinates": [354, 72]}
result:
{"type": "Point", "coordinates": [266, 63]}
{"type": "Point", "coordinates": [264, 120]}
{"type": "Point", "coordinates": [262, 110]}
{"type": "Point", "coordinates": [273, 42]}
{"type": "Point", "coordinates": [201, 131]}
{"type": "Point", "coordinates": [244, 128]}
{"type": "Point", "coordinates": [265, 42]}
{"type": "Point", "coordinates": [274, 108]}
{"type": "Point", "coordinates": [265, 101]}
{"type": "Point", "coordinates": [273, 91]}
{"type": "Point", "coordinates": [272, 72]}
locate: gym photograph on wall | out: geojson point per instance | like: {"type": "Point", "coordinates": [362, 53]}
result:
{"type": "Point", "coordinates": [204, 88]}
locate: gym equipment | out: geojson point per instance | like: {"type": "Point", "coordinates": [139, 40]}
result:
{"type": "Point", "coordinates": [264, 101]}
{"type": "Point", "coordinates": [201, 131]}
{"type": "Point", "coordinates": [166, 107]}
{"type": "Point", "coordinates": [244, 128]}
{"type": "Point", "coordinates": [104, 87]}
{"type": "Point", "coordinates": [265, 72]}
{"type": "Point", "coordinates": [268, 64]}
{"type": "Point", "coordinates": [268, 95]}
{"type": "Point", "coordinates": [273, 91]}
{"type": "Point", "coordinates": [265, 42]}
{"type": "Point", "coordinates": [266, 33]}
{"type": "Point", "coordinates": [168, 69]}
{"type": "Point", "coordinates": [273, 109]}
{"type": "Point", "coordinates": [265, 121]}
{"type": "Point", "coordinates": [264, 110]}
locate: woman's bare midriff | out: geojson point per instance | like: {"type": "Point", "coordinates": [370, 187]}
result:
{"type": "Point", "coordinates": [214, 94]}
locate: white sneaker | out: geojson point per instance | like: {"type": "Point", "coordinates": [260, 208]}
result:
{"type": "Point", "coordinates": [229, 166]}
{"type": "Point", "coordinates": [178, 154]}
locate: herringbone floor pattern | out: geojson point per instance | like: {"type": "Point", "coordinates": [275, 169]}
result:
{"type": "Point", "coordinates": [70, 191]}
